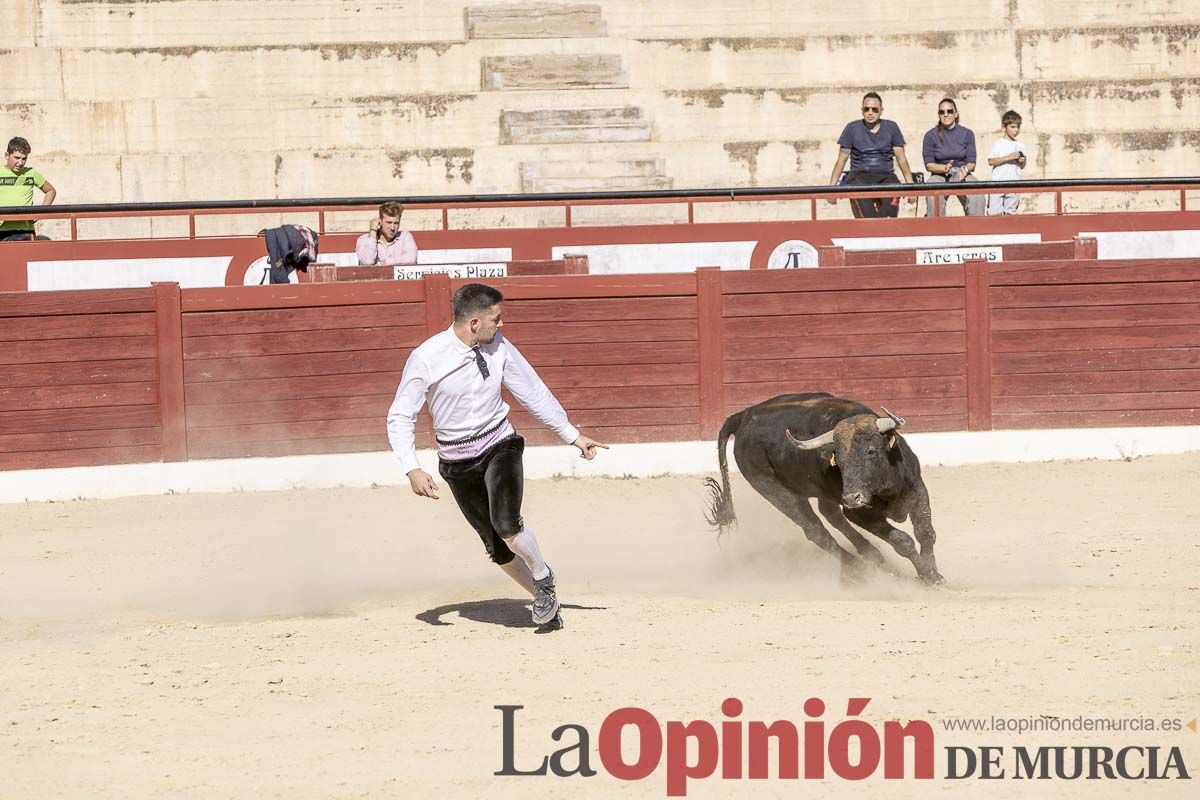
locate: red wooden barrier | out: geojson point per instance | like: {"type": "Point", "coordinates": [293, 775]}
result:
{"type": "Point", "coordinates": [169, 328]}
{"type": "Point", "coordinates": [883, 335]}
{"type": "Point", "coordinates": [1079, 248]}
{"type": "Point", "coordinates": [108, 376]}
{"type": "Point", "coordinates": [79, 382]}
{"type": "Point", "coordinates": [711, 347]}
{"type": "Point", "coordinates": [979, 347]}
{"type": "Point", "coordinates": [1113, 343]}
{"type": "Point", "coordinates": [329, 273]}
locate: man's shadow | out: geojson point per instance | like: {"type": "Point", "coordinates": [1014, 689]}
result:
{"type": "Point", "coordinates": [507, 612]}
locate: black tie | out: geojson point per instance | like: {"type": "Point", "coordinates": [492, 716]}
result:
{"type": "Point", "coordinates": [479, 362]}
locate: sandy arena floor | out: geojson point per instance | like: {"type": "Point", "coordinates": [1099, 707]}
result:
{"type": "Point", "coordinates": [353, 643]}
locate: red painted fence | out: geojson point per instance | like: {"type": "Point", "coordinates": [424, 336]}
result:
{"type": "Point", "coordinates": [109, 376]}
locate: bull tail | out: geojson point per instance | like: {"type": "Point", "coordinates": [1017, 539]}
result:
{"type": "Point", "coordinates": [720, 514]}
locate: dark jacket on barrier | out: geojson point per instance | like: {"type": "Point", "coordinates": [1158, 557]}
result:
{"type": "Point", "coordinates": [289, 247]}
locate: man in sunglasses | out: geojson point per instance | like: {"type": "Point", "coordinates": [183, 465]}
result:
{"type": "Point", "coordinates": [460, 372]}
{"type": "Point", "coordinates": [873, 145]}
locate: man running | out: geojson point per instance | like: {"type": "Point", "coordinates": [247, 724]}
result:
{"type": "Point", "coordinates": [459, 372]}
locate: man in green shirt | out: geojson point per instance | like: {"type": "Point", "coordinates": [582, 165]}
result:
{"type": "Point", "coordinates": [17, 183]}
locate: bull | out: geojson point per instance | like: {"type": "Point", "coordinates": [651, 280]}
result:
{"type": "Point", "coordinates": [800, 447]}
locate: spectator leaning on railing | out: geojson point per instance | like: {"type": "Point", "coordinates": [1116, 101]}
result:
{"type": "Point", "coordinates": [949, 154]}
{"type": "Point", "coordinates": [17, 182]}
{"type": "Point", "coordinates": [872, 144]}
{"type": "Point", "coordinates": [385, 243]}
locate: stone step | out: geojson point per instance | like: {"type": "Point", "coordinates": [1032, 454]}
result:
{"type": "Point", "coordinates": [612, 183]}
{"type": "Point", "coordinates": [820, 113]}
{"type": "Point", "coordinates": [697, 65]}
{"type": "Point", "coordinates": [535, 21]}
{"type": "Point", "coordinates": [599, 174]}
{"type": "Point", "coordinates": [1085, 13]}
{"type": "Point", "coordinates": [553, 71]}
{"type": "Point", "coordinates": [173, 125]}
{"type": "Point", "coordinates": [314, 70]}
{"type": "Point", "coordinates": [1120, 52]}
{"type": "Point", "coordinates": [809, 117]}
{"type": "Point", "coordinates": [769, 18]}
{"type": "Point", "coordinates": [108, 177]}
{"type": "Point", "coordinates": [592, 167]}
{"type": "Point", "coordinates": [558, 125]}
{"type": "Point", "coordinates": [181, 23]}
{"type": "Point", "coordinates": [191, 23]}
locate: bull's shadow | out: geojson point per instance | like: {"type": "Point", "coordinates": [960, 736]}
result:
{"type": "Point", "coordinates": [507, 612]}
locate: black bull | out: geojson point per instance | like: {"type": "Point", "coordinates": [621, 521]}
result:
{"type": "Point", "coordinates": [842, 454]}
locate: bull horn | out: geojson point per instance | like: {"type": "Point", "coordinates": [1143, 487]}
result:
{"type": "Point", "coordinates": [899, 419]}
{"type": "Point", "coordinates": [811, 444]}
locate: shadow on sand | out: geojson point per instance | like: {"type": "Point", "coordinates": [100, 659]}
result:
{"type": "Point", "coordinates": [507, 612]}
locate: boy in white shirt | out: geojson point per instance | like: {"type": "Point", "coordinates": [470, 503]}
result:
{"type": "Point", "coordinates": [1007, 158]}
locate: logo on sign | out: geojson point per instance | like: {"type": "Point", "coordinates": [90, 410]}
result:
{"type": "Point", "coordinates": [793, 254]}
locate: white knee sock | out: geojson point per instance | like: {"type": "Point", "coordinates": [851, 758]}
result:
{"type": "Point", "coordinates": [525, 545]}
{"type": "Point", "coordinates": [518, 570]}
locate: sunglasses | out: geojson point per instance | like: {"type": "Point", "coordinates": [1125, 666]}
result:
{"type": "Point", "coordinates": [946, 111]}
{"type": "Point", "coordinates": [876, 109]}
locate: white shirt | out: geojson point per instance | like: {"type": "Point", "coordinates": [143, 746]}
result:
{"type": "Point", "coordinates": [463, 404]}
{"type": "Point", "coordinates": [1012, 170]}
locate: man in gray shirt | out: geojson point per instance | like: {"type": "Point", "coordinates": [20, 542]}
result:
{"type": "Point", "coordinates": [872, 144]}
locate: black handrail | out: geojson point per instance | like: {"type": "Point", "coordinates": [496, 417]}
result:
{"type": "Point", "coordinates": [562, 197]}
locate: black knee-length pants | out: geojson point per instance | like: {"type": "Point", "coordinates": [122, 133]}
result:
{"type": "Point", "coordinates": [488, 489]}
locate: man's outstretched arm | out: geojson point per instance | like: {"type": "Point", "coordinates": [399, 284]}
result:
{"type": "Point", "coordinates": [529, 389]}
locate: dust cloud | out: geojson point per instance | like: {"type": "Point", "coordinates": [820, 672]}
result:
{"type": "Point", "coordinates": [1002, 529]}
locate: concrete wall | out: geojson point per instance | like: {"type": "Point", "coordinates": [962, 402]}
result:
{"type": "Point", "coordinates": [126, 100]}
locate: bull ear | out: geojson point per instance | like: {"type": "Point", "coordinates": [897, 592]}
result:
{"type": "Point", "coordinates": [892, 438]}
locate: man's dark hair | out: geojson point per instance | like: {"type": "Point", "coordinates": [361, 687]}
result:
{"type": "Point", "coordinates": [1009, 117]}
{"type": "Point", "coordinates": [19, 144]}
{"type": "Point", "coordinates": [876, 96]}
{"type": "Point", "coordinates": [472, 299]}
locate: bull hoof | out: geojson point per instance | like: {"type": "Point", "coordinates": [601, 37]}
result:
{"type": "Point", "coordinates": [933, 579]}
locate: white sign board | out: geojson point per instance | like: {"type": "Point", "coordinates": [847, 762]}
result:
{"type": "Point", "coordinates": [415, 272]}
{"type": "Point", "coordinates": [957, 255]}
{"type": "Point", "coordinates": [625, 259]}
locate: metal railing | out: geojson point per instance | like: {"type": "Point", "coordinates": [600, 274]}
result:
{"type": "Point", "coordinates": [568, 200]}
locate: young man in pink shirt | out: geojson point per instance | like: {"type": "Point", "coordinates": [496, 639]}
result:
{"type": "Point", "coordinates": [385, 243]}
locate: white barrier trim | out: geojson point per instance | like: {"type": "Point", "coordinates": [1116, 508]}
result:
{"type": "Point", "coordinates": [623, 460]}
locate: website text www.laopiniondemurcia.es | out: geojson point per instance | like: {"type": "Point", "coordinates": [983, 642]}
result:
{"type": "Point", "coordinates": [851, 749]}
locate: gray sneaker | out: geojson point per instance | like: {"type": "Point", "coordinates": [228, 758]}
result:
{"type": "Point", "coordinates": [553, 625]}
{"type": "Point", "coordinates": [545, 601]}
